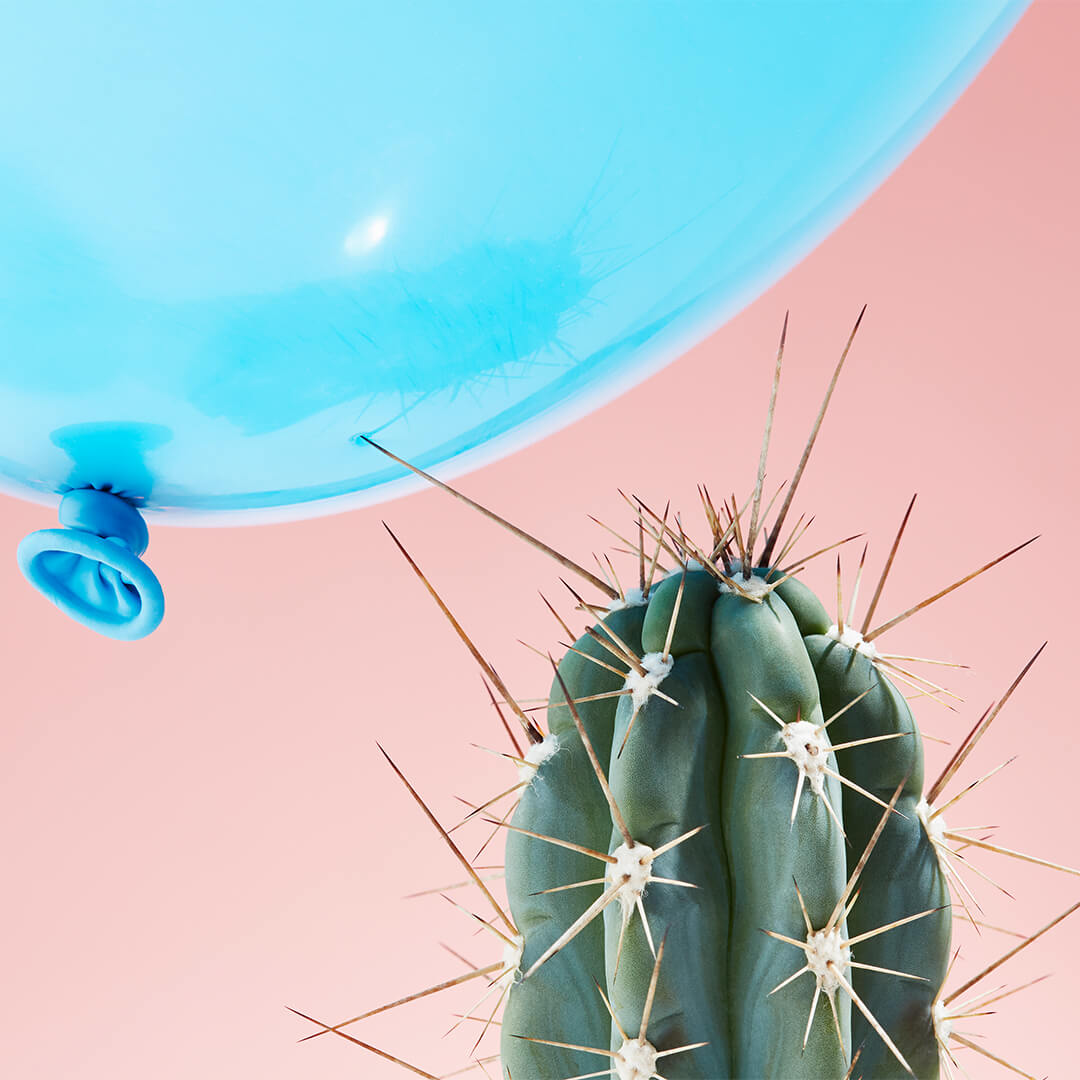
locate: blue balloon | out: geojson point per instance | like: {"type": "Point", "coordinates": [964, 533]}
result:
{"type": "Point", "coordinates": [234, 237]}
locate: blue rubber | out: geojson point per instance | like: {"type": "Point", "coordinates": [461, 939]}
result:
{"type": "Point", "coordinates": [91, 569]}
{"type": "Point", "coordinates": [235, 235]}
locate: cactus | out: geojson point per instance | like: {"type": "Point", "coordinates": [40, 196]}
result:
{"type": "Point", "coordinates": [723, 858]}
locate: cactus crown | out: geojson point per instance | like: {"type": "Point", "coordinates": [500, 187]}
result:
{"type": "Point", "coordinates": [730, 798]}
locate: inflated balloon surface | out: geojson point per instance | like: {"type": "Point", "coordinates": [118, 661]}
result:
{"type": "Point", "coordinates": [235, 236]}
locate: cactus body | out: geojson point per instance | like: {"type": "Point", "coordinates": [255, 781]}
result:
{"type": "Point", "coordinates": [737, 664]}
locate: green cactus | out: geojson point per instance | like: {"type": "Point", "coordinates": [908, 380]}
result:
{"type": "Point", "coordinates": [724, 860]}
{"type": "Point", "coordinates": [736, 791]}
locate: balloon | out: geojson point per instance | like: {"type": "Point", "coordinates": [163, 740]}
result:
{"type": "Point", "coordinates": [235, 237]}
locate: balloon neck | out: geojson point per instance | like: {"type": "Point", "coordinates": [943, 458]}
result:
{"type": "Point", "coordinates": [106, 515]}
{"type": "Point", "coordinates": [90, 569]}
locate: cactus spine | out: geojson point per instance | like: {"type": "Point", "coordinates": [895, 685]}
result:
{"type": "Point", "coordinates": [724, 860]}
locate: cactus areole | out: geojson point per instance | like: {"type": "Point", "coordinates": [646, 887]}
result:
{"type": "Point", "coordinates": [724, 859]}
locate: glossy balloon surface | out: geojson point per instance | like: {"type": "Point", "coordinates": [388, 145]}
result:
{"type": "Point", "coordinates": [235, 236]}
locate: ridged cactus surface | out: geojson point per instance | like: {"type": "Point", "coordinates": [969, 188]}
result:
{"type": "Point", "coordinates": [722, 828]}
{"type": "Point", "coordinates": [723, 858]}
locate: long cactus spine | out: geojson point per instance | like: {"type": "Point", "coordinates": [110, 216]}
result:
{"type": "Point", "coordinates": [723, 859]}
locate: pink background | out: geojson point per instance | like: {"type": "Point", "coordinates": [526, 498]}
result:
{"type": "Point", "coordinates": [198, 830]}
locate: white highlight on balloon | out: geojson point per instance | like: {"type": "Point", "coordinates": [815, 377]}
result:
{"type": "Point", "coordinates": [366, 235]}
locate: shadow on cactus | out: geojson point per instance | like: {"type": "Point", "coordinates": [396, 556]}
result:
{"type": "Point", "coordinates": [722, 857]}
